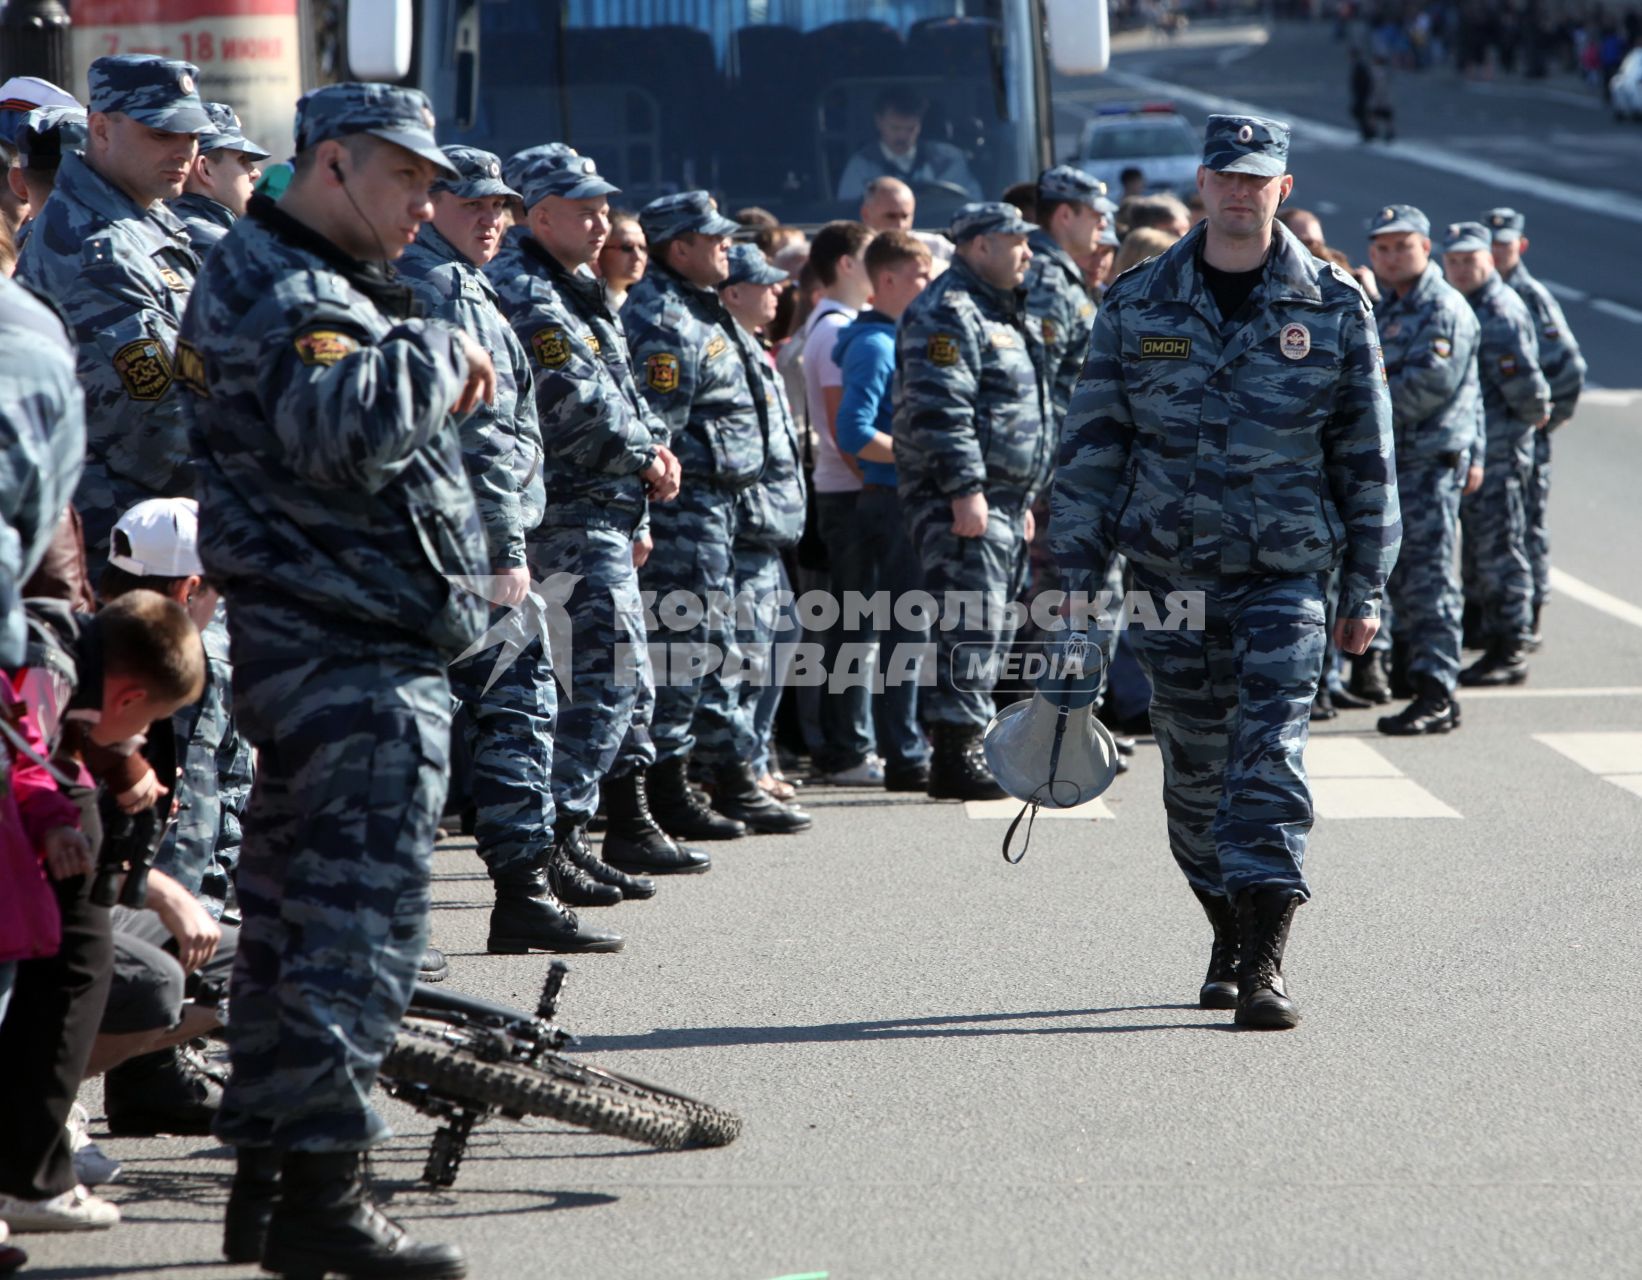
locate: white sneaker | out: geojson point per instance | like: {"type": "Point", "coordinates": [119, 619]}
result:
{"type": "Point", "coordinates": [75, 1210]}
{"type": "Point", "coordinates": [92, 1165]}
{"type": "Point", "coordinates": [869, 773]}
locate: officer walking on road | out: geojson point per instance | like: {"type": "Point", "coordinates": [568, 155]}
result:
{"type": "Point", "coordinates": [607, 457]}
{"type": "Point", "coordinates": [1073, 212]}
{"type": "Point", "coordinates": [1564, 369]}
{"type": "Point", "coordinates": [974, 443]}
{"type": "Point", "coordinates": [220, 180]}
{"type": "Point", "coordinates": [336, 512]}
{"type": "Point", "coordinates": [698, 377]}
{"type": "Point", "coordinates": [1516, 402]}
{"type": "Point", "coordinates": [1430, 335]}
{"type": "Point", "coordinates": [117, 261]}
{"type": "Point", "coordinates": [1231, 436]}
{"type": "Point", "coordinates": [508, 705]}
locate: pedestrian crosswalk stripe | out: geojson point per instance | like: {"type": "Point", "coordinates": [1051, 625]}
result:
{"type": "Point", "coordinates": [1331, 756]}
{"type": "Point", "coordinates": [1615, 757]}
{"type": "Point", "coordinates": [1351, 779]}
{"type": "Point", "coordinates": [1007, 809]}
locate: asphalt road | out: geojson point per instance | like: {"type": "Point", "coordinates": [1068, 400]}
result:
{"type": "Point", "coordinates": [954, 1068]}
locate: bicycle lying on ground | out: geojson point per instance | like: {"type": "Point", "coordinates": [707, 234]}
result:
{"type": "Point", "coordinates": [462, 1060]}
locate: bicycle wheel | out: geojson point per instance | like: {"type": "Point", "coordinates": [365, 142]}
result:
{"type": "Point", "coordinates": [587, 1102]}
{"type": "Point", "coordinates": [710, 1126]}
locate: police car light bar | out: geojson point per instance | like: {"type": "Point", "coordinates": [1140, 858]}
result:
{"type": "Point", "coordinates": [1136, 109]}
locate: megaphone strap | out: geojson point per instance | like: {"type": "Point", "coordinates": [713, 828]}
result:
{"type": "Point", "coordinates": [1009, 835]}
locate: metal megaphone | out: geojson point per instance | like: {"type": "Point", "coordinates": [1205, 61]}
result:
{"type": "Point", "coordinates": [1050, 750]}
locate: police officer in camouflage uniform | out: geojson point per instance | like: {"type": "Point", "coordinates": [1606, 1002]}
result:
{"type": "Point", "coordinates": [769, 518]}
{"type": "Point", "coordinates": [1231, 436]}
{"type": "Point", "coordinates": [1564, 368]}
{"type": "Point", "coordinates": [974, 443]}
{"type": "Point", "coordinates": [1516, 402]}
{"type": "Point", "coordinates": [1072, 213]}
{"type": "Point", "coordinates": [44, 137]}
{"type": "Point", "coordinates": [336, 515]}
{"type": "Point", "coordinates": [606, 457]}
{"type": "Point", "coordinates": [1430, 337]}
{"type": "Point", "coordinates": [506, 689]}
{"type": "Point", "coordinates": [220, 180]}
{"type": "Point", "coordinates": [696, 370]}
{"type": "Point", "coordinates": [118, 263]}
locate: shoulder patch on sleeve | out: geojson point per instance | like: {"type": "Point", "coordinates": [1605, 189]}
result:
{"type": "Point", "coordinates": [324, 346]}
{"type": "Point", "coordinates": [1508, 364]}
{"type": "Point", "coordinates": [190, 369]}
{"type": "Point", "coordinates": [942, 350]}
{"type": "Point", "coordinates": [661, 372]}
{"type": "Point", "coordinates": [144, 369]}
{"type": "Point", "coordinates": [1442, 348]}
{"type": "Point", "coordinates": [552, 347]}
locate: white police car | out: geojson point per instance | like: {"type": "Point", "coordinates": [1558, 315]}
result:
{"type": "Point", "coordinates": [1151, 137]}
{"type": "Point", "coordinates": [1625, 87]}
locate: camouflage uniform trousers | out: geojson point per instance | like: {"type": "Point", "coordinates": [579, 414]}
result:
{"type": "Point", "coordinates": [507, 730]}
{"type": "Point", "coordinates": [1498, 576]}
{"type": "Point", "coordinates": [600, 718]}
{"type": "Point", "coordinates": [1230, 710]}
{"type": "Point", "coordinates": [1424, 587]}
{"type": "Point", "coordinates": [1538, 500]}
{"type": "Point", "coordinates": [994, 565]}
{"type": "Point", "coordinates": [693, 556]}
{"type": "Point", "coordinates": [333, 883]}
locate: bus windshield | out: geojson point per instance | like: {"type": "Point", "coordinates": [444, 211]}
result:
{"type": "Point", "coordinates": [791, 105]}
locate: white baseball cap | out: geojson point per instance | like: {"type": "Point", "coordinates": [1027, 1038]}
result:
{"type": "Point", "coordinates": [162, 538]}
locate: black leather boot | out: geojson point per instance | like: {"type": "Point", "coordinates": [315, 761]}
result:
{"type": "Point", "coordinates": [1504, 663]}
{"type": "Point", "coordinates": [679, 810]}
{"type": "Point", "coordinates": [634, 840]}
{"type": "Point", "coordinates": [251, 1199]}
{"type": "Point", "coordinates": [957, 769]}
{"type": "Point", "coordinates": [1322, 705]}
{"type": "Point", "coordinates": [1535, 637]}
{"type": "Point", "coordinates": [1219, 989]}
{"type": "Point", "coordinates": [527, 917]}
{"type": "Point", "coordinates": [1433, 711]}
{"type": "Point", "coordinates": [736, 794]}
{"type": "Point", "coordinates": [581, 853]}
{"type": "Point", "coordinates": [572, 885]}
{"type": "Point", "coordinates": [326, 1222]}
{"type": "Point", "coordinates": [160, 1092]}
{"type": "Point", "coordinates": [1369, 678]}
{"type": "Point", "coordinates": [1263, 918]}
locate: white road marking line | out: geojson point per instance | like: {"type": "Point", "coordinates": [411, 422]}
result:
{"type": "Point", "coordinates": [1599, 753]}
{"type": "Point", "coordinates": [1610, 397]}
{"type": "Point", "coordinates": [1337, 756]}
{"type": "Point", "coordinates": [1564, 292]}
{"type": "Point", "coordinates": [1616, 309]}
{"type": "Point", "coordinates": [1596, 598]}
{"type": "Point", "coordinates": [1525, 691]}
{"type": "Point", "coordinates": [1343, 798]}
{"type": "Point", "coordinates": [995, 810]}
{"type": "Point", "coordinates": [1614, 204]}
{"type": "Point", "coordinates": [1631, 782]}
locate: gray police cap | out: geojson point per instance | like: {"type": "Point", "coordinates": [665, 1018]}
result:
{"type": "Point", "coordinates": [748, 265]}
{"type": "Point", "coordinates": [1507, 226]}
{"type": "Point", "coordinates": [479, 175]}
{"type": "Point", "coordinates": [1246, 144]}
{"type": "Point", "coordinates": [48, 133]}
{"type": "Point", "coordinates": [513, 167]}
{"type": "Point", "coordinates": [394, 114]}
{"type": "Point", "coordinates": [992, 217]}
{"type": "Point", "coordinates": [1466, 237]}
{"type": "Point", "coordinates": [1396, 218]}
{"type": "Point", "coordinates": [157, 92]}
{"type": "Point", "coordinates": [23, 94]}
{"type": "Point", "coordinates": [1065, 182]}
{"type": "Point", "coordinates": [228, 134]}
{"type": "Point", "coordinates": [573, 177]}
{"type": "Point", "coordinates": [669, 217]}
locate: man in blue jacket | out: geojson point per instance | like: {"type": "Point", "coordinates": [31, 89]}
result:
{"type": "Point", "coordinates": [898, 266]}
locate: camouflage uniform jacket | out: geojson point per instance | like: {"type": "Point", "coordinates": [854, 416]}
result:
{"type": "Point", "coordinates": [771, 513]}
{"type": "Point", "coordinates": [972, 405]}
{"type": "Point", "coordinates": [597, 432]}
{"type": "Point", "coordinates": [334, 503]}
{"type": "Point", "coordinates": [42, 446]}
{"type": "Point", "coordinates": [205, 220]}
{"type": "Point", "coordinates": [1559, 356]}
{"type": "Point", "coordinates": [501, 442]}
{"type": "Point", "coordinates": [1515, 395]}
{"type": "Point", "coordinates": [122, 275]}
{"type": "Point", "coordinates": [1194, 447]}
{"type": "Point", "coordinates": [1431, 337]}
{"type": "Point", "coordinates": [1065, 310]}
{"type": "Point", "coordinates": [698, 376]}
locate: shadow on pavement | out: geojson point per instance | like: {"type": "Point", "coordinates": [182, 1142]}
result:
{"type": "Point", "coordinates": [946, 1026]}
